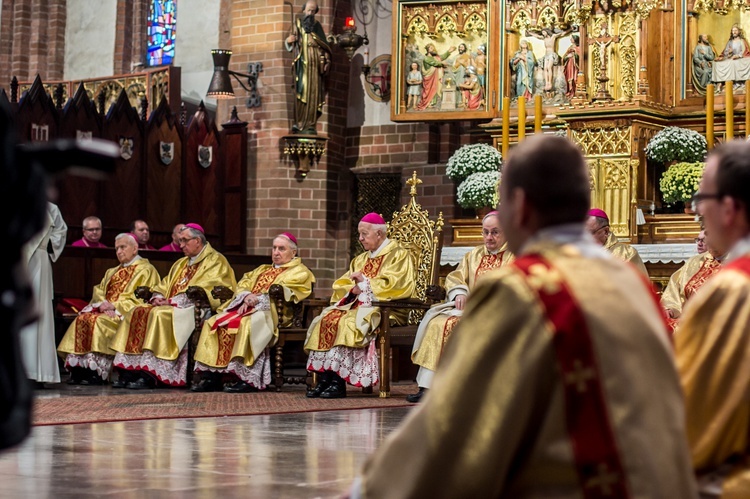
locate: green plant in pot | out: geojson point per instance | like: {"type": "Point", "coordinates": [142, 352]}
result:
{"type": "Point", "coordinates": [681, 181]}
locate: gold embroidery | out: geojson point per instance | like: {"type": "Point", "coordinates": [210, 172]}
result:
{"type": "Point", "coordinates": [182, 284]}
{"type": "Point", "coordinates": [544, 279]}
{"type": "Point", "coordinates": [329, 327]}
{"type": "Point", "coordinates": [489, 262]}
{"type": "Point", "coordinates": [118, 283]}
{"type": "Point", "coordinates": [710, 267]}
{"type": "Point", "coordinates": [226, 344]}
{"type": "Point", "coordinates": [579, 376]}
{"type": "Point", "coordinates": [604, 480]}
{"type": "Point", "coordinates": [84, 332]}
{"type": "Point", "coordinates": [372, 266]}
{"type": "Point", "coordinates": [266, 279]}
{"type": "Point", "coordinates": [137, 332]}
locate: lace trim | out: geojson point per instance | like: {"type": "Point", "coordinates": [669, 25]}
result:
{"type": "Point", "coordinates": [169, 372]}
{"type": "Point", "coordinates": [94, 361]}
{"type": "Point", "coordinates": [367, 296]}
{"type": "Point", "coordinates": [355, 365]}
{"type": "Point", "coordinates": [257, 375]}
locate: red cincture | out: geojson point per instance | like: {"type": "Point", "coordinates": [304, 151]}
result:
{"type": "Point", "coordinates": [597, 460]}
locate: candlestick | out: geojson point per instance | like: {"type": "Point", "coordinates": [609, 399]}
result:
{"type": "Point", "coordinates": [367, 56]}
{"type": "Point", "coordinates": [710, 115]}
{"type": "Point", "coordinates": [730, 110]}
{"type": "Point", "coordinates": [506, 127]}
{"type": "Point", "coordinates": [521, 118]}
{"type": "Point", "coordinates": [537, 113]}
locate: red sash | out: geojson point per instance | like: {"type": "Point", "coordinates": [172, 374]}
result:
{"type": "Point", "coordinates": [742, 264]}
{"type": "Point", "coordinates": [597, 460]}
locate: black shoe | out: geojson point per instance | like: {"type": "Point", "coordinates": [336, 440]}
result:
{"type": "Point", "coordinates": [207, 384]}
{"type": "Point", "coordinates": [337, 389]}
{"type": "Point", "coordinates": [123, 378]}
{"type": "Point", "coordinates": [324, 381]}
{"type": "Point", "coordinates": [77, 375]}
{"type": "Point", "coordinates": [414, 398]}
{"type": "Point", "coordinates": [93, 378]}
{"type": "Point", "coordinates": [141, 383]}
{"type": "Point", "coordinates": [239, 387]}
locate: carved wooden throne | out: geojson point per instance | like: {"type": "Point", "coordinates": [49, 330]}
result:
{"type": "Point", "coordinates": [412, 227]}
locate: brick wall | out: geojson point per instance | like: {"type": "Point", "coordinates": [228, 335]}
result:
{"type": "Point", "coordinates": [131, 35]}
{"type": "Point", "coordinates": [32, 42]}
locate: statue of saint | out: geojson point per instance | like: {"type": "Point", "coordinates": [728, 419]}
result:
{"type": "Point", "coordinates": [550, 59]}
{"type": "Point", "coordinates": [522, 65]}
{"type": "Point", "coordinates": [703, 62]}
{"type": "Point", "coordinates": [737, 46]}
{"type": "Point", "coordinates": [312, 61]}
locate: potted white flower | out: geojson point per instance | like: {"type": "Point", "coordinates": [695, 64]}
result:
{"type": "Point", "coordinates": [676, 144]}
{"type": "Point", "coordinates": [479, 190]}
{"type": "Point", "coordinates": [472, 158]}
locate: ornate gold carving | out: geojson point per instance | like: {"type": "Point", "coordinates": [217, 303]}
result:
{"type": "Point", "coordinates": [628, 55]}
{"type": "Point", "coordinates": [603, 141]}
{"type": "Point", "coordinates": [616, 174]}
{"type": "Point", "coordinates": [435, 20]}
{"type": "Point", "coordinates": [412, 227]}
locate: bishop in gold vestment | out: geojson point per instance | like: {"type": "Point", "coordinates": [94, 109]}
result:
{"type": "Point", "coordinates": [338, 338]}
{"type": "Point", "coordinates": [86, 342]}
{"type": "Point", "coordinates": [598, 226]}
{"type": "Point", "coordinates": [153, 337]}
{"type": "Point", "coordinates": [234, 342]}
{"type": "Point", "coordinates": [438, 323]}
{"type": "Point", "coordinates": [685, 282]}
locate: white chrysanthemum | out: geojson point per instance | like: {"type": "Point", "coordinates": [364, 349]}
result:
{"type": "Point", "coordinates": [677, 144]}
{"type": "Point", "coordinates": [472, 158]}
{"type": "Point", "coordinates": [479, 190]}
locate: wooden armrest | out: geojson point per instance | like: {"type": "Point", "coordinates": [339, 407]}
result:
{"type": "Point", "coordinates": [222, 293]}
{"type": "Point", "coordinates": [198, 296]}
{"type": "Point", "coordinates": [276, 292]}
{"type": "Point", "coordinates": [435, 293]}
{"type": "Point", "coordinates": [316, 302]}
{"type": "Point", "coordinates": [144, 293]}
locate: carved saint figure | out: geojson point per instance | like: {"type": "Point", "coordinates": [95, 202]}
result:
{"type": "Point", "coordinates": [414, 86]}
{"type": "Point", "coordinates": [703, 61]}
{"type": "Point", "coordinates": [550, 59]}
{"type": "Point", "coordinates": [432, 75]}
{"type": "Point", "coordinates": [737, 46]}
{"type": "Point", "coordinates": [522, 65]}
{"type": "Point", "coordinates": [571, 63]}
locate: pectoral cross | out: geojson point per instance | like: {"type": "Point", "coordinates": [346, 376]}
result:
{"type": "Point", "coordinates": [603, 41]}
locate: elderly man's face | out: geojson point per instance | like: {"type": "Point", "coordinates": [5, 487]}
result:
{"type": "Point", "coordinates": [600, 233]}
{"type": "Point", "coordinates": [189, 244]}
{"type": "Point", "coordinates": [126, 249]}
{"type": "Point", "coordinates": [370, 238]}
{"type": "Point", "coordinates": [282, 252]}
{"type": "Point", "coordinates": [492, 233]}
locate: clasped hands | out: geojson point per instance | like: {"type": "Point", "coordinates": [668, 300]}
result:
{"type": "Point", "coordinates": [108, 309]}
{"type": "Point", "coordinates": [357, 277]}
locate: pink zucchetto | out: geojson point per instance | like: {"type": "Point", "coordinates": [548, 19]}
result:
{"type": "Point", "coordinates": [196, 227]}
{"type": "Point", "coordinates": [493, 212]}
{"type": "Point", "coordinates": [289, 236]}
{"type": "Point", "coordinates": [373, 218]}
{"type": "Point", "coordinates": [596, 212]}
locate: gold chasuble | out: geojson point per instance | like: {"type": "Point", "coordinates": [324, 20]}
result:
{"type": "Point", "coordinates": [337, 338]}
{"type": "Point", "coordinates": [686, 281]}
{"type": "Point", "coordinates": [559, 382]}
{"type": "Point", "coordinates": [92, 331]}
{"type": "Point", "coordinates": [161, 332]}
{"type": "Point", "coordinates": [624, 252]}
{"type": "Point", "coordinates": [227, 336]}
{"type": "Point", "coordinates": [712, 346]}
{"type": "Point", "coordinates": [439, 321]}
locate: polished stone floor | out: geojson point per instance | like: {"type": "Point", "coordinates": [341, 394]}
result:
{"type": "Point", "coordinates": [306, 455]}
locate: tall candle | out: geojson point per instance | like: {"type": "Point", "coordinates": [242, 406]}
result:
{"type": "Point", "coordinates": [747, 114]}
{"type": "Point", "coordinates": [710, 115]}
{"type": "Point", "coordinates": [537, 113]}
{"type": "Point", "coordinates": [730, 110]}
{"type": "Point", "coordinates": [521, 118]}
{"type": "Point", "coordinates": [506, 127]}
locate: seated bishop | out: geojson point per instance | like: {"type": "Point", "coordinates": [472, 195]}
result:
{"type": "Point", "coordinates": [597, 223]}
{"type": "Point", "coordinates": [438, 323]}
{"type": "Point", "coordinates": [151, 342]}
{"type": "Point", "coordinates": [338, 339]}
{"type": "Point", "coordinates": [85, 346]}
{"type": "Point", "coordinates": [232, 352]}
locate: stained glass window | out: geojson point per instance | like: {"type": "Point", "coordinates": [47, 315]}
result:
{"type": "Point", "coordinates": [161, 32]}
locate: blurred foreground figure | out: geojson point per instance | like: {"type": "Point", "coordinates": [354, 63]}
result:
{"type": "Point", "coordinates": [711, 343]}
{"type": "Point", "coordinates": [23, 202]}
{"type": "Point", "coordinates": [559, 381]}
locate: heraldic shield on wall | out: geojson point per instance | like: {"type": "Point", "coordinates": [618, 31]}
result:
{"type": "Point", "coordinates": [442, 61]}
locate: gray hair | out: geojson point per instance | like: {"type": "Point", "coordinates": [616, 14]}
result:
{"type": "Point", "coordinates": [129, 236]}
{"type": "Point", "coordinates": [292, 244]}
{"type": "Point", "coordinates": [195, 233]}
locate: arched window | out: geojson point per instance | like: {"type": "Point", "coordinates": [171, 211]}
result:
{"type": "Point", "coordinates": [162, 22]}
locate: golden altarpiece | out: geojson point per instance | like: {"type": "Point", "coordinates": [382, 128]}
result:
{"type": "Point", "coordinates": [609, 74]}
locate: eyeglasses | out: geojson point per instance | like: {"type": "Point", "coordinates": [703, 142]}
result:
{"type": "Point", "coordinates": [184, 240]}
{"type": "Point", "coordinates": [493, 233]}
{"type": "Point", "coordinates": [699, 240]}
{"type": "Point", "coordinates": [698, 198]}
{"type": "Point", "coordinates": [600, 228]}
